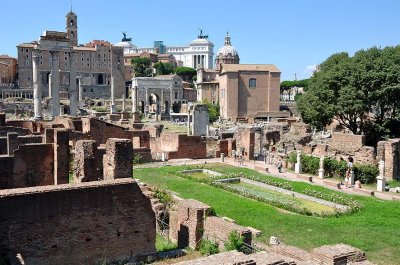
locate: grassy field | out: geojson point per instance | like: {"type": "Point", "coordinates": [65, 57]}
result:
{"type": "Point", "coordinates": [374, 229]}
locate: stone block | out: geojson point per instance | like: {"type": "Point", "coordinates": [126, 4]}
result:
{"type": "Point", "coordinates": [117, 162]}
{"type": "Point", "coordinates": [85, 163]}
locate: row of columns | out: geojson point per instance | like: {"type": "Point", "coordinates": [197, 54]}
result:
{"type": "Point", "coordinates": [15, 94]}
{"type": "Point", "coordinates": [54, 85]}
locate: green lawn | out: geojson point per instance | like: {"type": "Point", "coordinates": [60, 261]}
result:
{"type": "Point", "coordinates": [374, 229]}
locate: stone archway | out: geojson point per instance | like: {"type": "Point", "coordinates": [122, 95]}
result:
{"type": "Point", "coordinates": [154, 103]}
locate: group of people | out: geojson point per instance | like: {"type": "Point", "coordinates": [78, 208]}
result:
{"type": "Point", "coordinates": [238, 156]}
{"type": "Point", "coordinates": [348, 177]}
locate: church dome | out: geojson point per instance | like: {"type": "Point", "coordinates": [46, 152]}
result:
{"type": "Point", "coordinates": [227, 50]}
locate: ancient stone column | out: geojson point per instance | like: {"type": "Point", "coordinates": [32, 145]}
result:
{"type": "Point", "coordinates": [81, 101]}
{"type": "Point", "coordinates": [55, 84]}
{"type": "Point", "coordinates": [112, 109]}
{"type": "Point", "coordinates": [37, 90]}
{"type": "Point", "coordinates": [146, 107]}
{"type": "Point", "coordinates": [380, 180]}
{"type": "Point", "coordinates": [188, 122]}
{"type": "Point", "coordinates": [73, 93]}
{"type": "Point", "coordinates": [297, 166]}
{"type": "Point", "coordinates": [321, 170]}
{"type": "Point", "coordinates": [171, 99]}
{"type": "Point", "coordinates": [117, 162]}
{"type": "Point", "coordinates": [134, 99]}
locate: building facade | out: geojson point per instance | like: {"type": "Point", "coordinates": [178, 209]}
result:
{"type": "Point", "coordinates": [199, 52]}
{"type": "Point", "coordinates": [248, 90]}
{"type": "Point", "coordinates": [8, 70]}
{"type": "Point", "coordinates": [95, 64]}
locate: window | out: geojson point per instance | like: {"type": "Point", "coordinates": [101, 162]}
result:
{"type": "Point", "coordinates": [253, 82]}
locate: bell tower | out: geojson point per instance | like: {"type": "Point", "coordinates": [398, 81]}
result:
{"type": "Point", "coordinates": [72, 28]}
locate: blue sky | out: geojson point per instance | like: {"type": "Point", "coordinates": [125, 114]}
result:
{"type": "Point", "coordinates": [294, 35]}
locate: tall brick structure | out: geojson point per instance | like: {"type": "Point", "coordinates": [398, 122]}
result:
{"type": "Point", "coordinates": [85, 223]}
{"type": "Point", "coordinates": [85, 164]}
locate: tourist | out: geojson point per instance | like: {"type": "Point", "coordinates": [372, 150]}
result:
{"type": "Point", "coordinates": [280, 165]}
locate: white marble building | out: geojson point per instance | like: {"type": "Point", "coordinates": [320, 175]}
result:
{"type": "Point", "coordinates": [199, 52]}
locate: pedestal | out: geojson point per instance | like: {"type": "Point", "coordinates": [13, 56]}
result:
{"type": "Point", "coordinates": [321, 173]}
{"type": "Point", "coordinates": [351, 178]}
{"type": "Point", "coordinates": [223, 157]}
{"type": "Point", "coordinates": [297, 168]}
{"type": "Point", "coordinates": [380, 183]}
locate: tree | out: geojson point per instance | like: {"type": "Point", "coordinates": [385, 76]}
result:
{"type": "Point", "coordinates": [186, 73]}
{"type": "Point", "coordinates": [141, 67]}
{"type": "Point", "coordinates": [213, 111]}
{"type": "Point", "coordinates": [285, 85]}
{"type": "Point", "coordinates": [360, 92]}
{"type": "Point", "coordinates": [164, 68]}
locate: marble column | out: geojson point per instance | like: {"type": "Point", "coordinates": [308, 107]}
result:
{"type": "Point", "coordinates": [37, 90]}
{"type": "Point", "coordinates": [112, 109]}
{"type": "Point", "coordinates": [134, 99]}
{"type": "Point", "coordinates": [55, 84]}
{"type": "Point", "coordinates": [73, 93]}
{"type": "Point", "coordinates": [146, 107]}
{"type": "Point", "coordinates": [171, 98]}
{"type": "Point", "coordinates": [81, 101]}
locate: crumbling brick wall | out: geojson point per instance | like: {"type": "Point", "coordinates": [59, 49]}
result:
{"type": "Point", "coordinates": [179, 146]}
{"type": "Point", "coordinates": [85, 163]}
{"type": "Point", "coordinates": [186, 222]}
{"type": "Point", "coordinates": [85, 223]}
{"type": "Point", "coordinates": [117, 162]}
{"type": "Point", "coordinates": [218, 229]}
{"type": "Point", "coordinates": [31, 165]}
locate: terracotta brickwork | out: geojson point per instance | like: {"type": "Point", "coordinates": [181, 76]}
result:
{"type": "Point", "coordinates": [218, 229]}
{"type": "Point", "coordinates": [117, 162]}
{"type": "Point", "coordinates": [84, 223]}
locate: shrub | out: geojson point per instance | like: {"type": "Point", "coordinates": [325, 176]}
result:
{"type": "Point", "coordinates": [309, 164]}
{"type": "Point", "coordinates": [366, 173]}
{"type": "Point", "coordinates": [235, 241]}
{"type": "Point", "coordinates": [208, 247]}
{"type": "Point", "coordinates": [334, 168]}
{"type": "Point", "coordinates": [164, 196]}
{"type": "Point", "coordinates": [137, 159]}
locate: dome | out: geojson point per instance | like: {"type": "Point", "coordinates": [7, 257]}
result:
{"type": "Point", "coordinates": [227, 49]}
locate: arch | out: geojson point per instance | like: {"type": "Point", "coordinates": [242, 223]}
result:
{"type": "Point", "coordinates": [100, 79]}
{"type": "Point", "coordinates": [154, 103]}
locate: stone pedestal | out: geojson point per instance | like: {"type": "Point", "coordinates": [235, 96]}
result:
{"type": "Point", "coordinates": [321, 173]}
{"type": "Point", "coordinates": [163, 157]}
{"type": "Point", "coordinates": [351, 178]}
{"type": "Point", "coordinates": [222, 157]}
{"type": "Point", "coordinates": [297, 168]}
{"type": "Point", "coordinates": [380, 183]}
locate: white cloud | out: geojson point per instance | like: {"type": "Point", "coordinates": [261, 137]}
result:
{"type": "Point", "coordinates": [309, 70]}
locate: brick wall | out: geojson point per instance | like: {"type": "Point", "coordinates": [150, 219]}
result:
{"type": "Point", "coordinates": [85, 223]}
{"type": "Point", "coordinates": [347, 142]}
{"type": "Point", "coordinates": [218, 229]}
{"type": "Point", "coordinates": [31, 165]}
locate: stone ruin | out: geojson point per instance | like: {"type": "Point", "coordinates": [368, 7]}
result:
{"type": "Point", "coordinates": [44, 218]}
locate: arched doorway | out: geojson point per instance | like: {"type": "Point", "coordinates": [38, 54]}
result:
{"type": "Point", "coordinates": [154, 103]}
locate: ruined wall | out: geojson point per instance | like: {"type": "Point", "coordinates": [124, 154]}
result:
{"type": "Point", "coordinates": [180, 146]}
{"type": "Point", "coordinates": [347, 142]}
{"type": "Point", "coordinates": [117, 162]}
{"type": "Point", "coordinates": [186, 222]}
{"type": "Point", "coordinates": [245, 141]}
{"type": "Point", "coordinates": [218, 229]}
{"type": "Point", "coordinates": [100, 131]}
{"type": "Point", "coordinates": [7, 129]}
{"type": "Point", "coordinates": [85, 223]}
{"type": "Point", "coordinates": [29, 126]}
{"type": "Point", "coordinates": [22, 140]}
{"type": "Point", "coordinates": [31, 165]}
